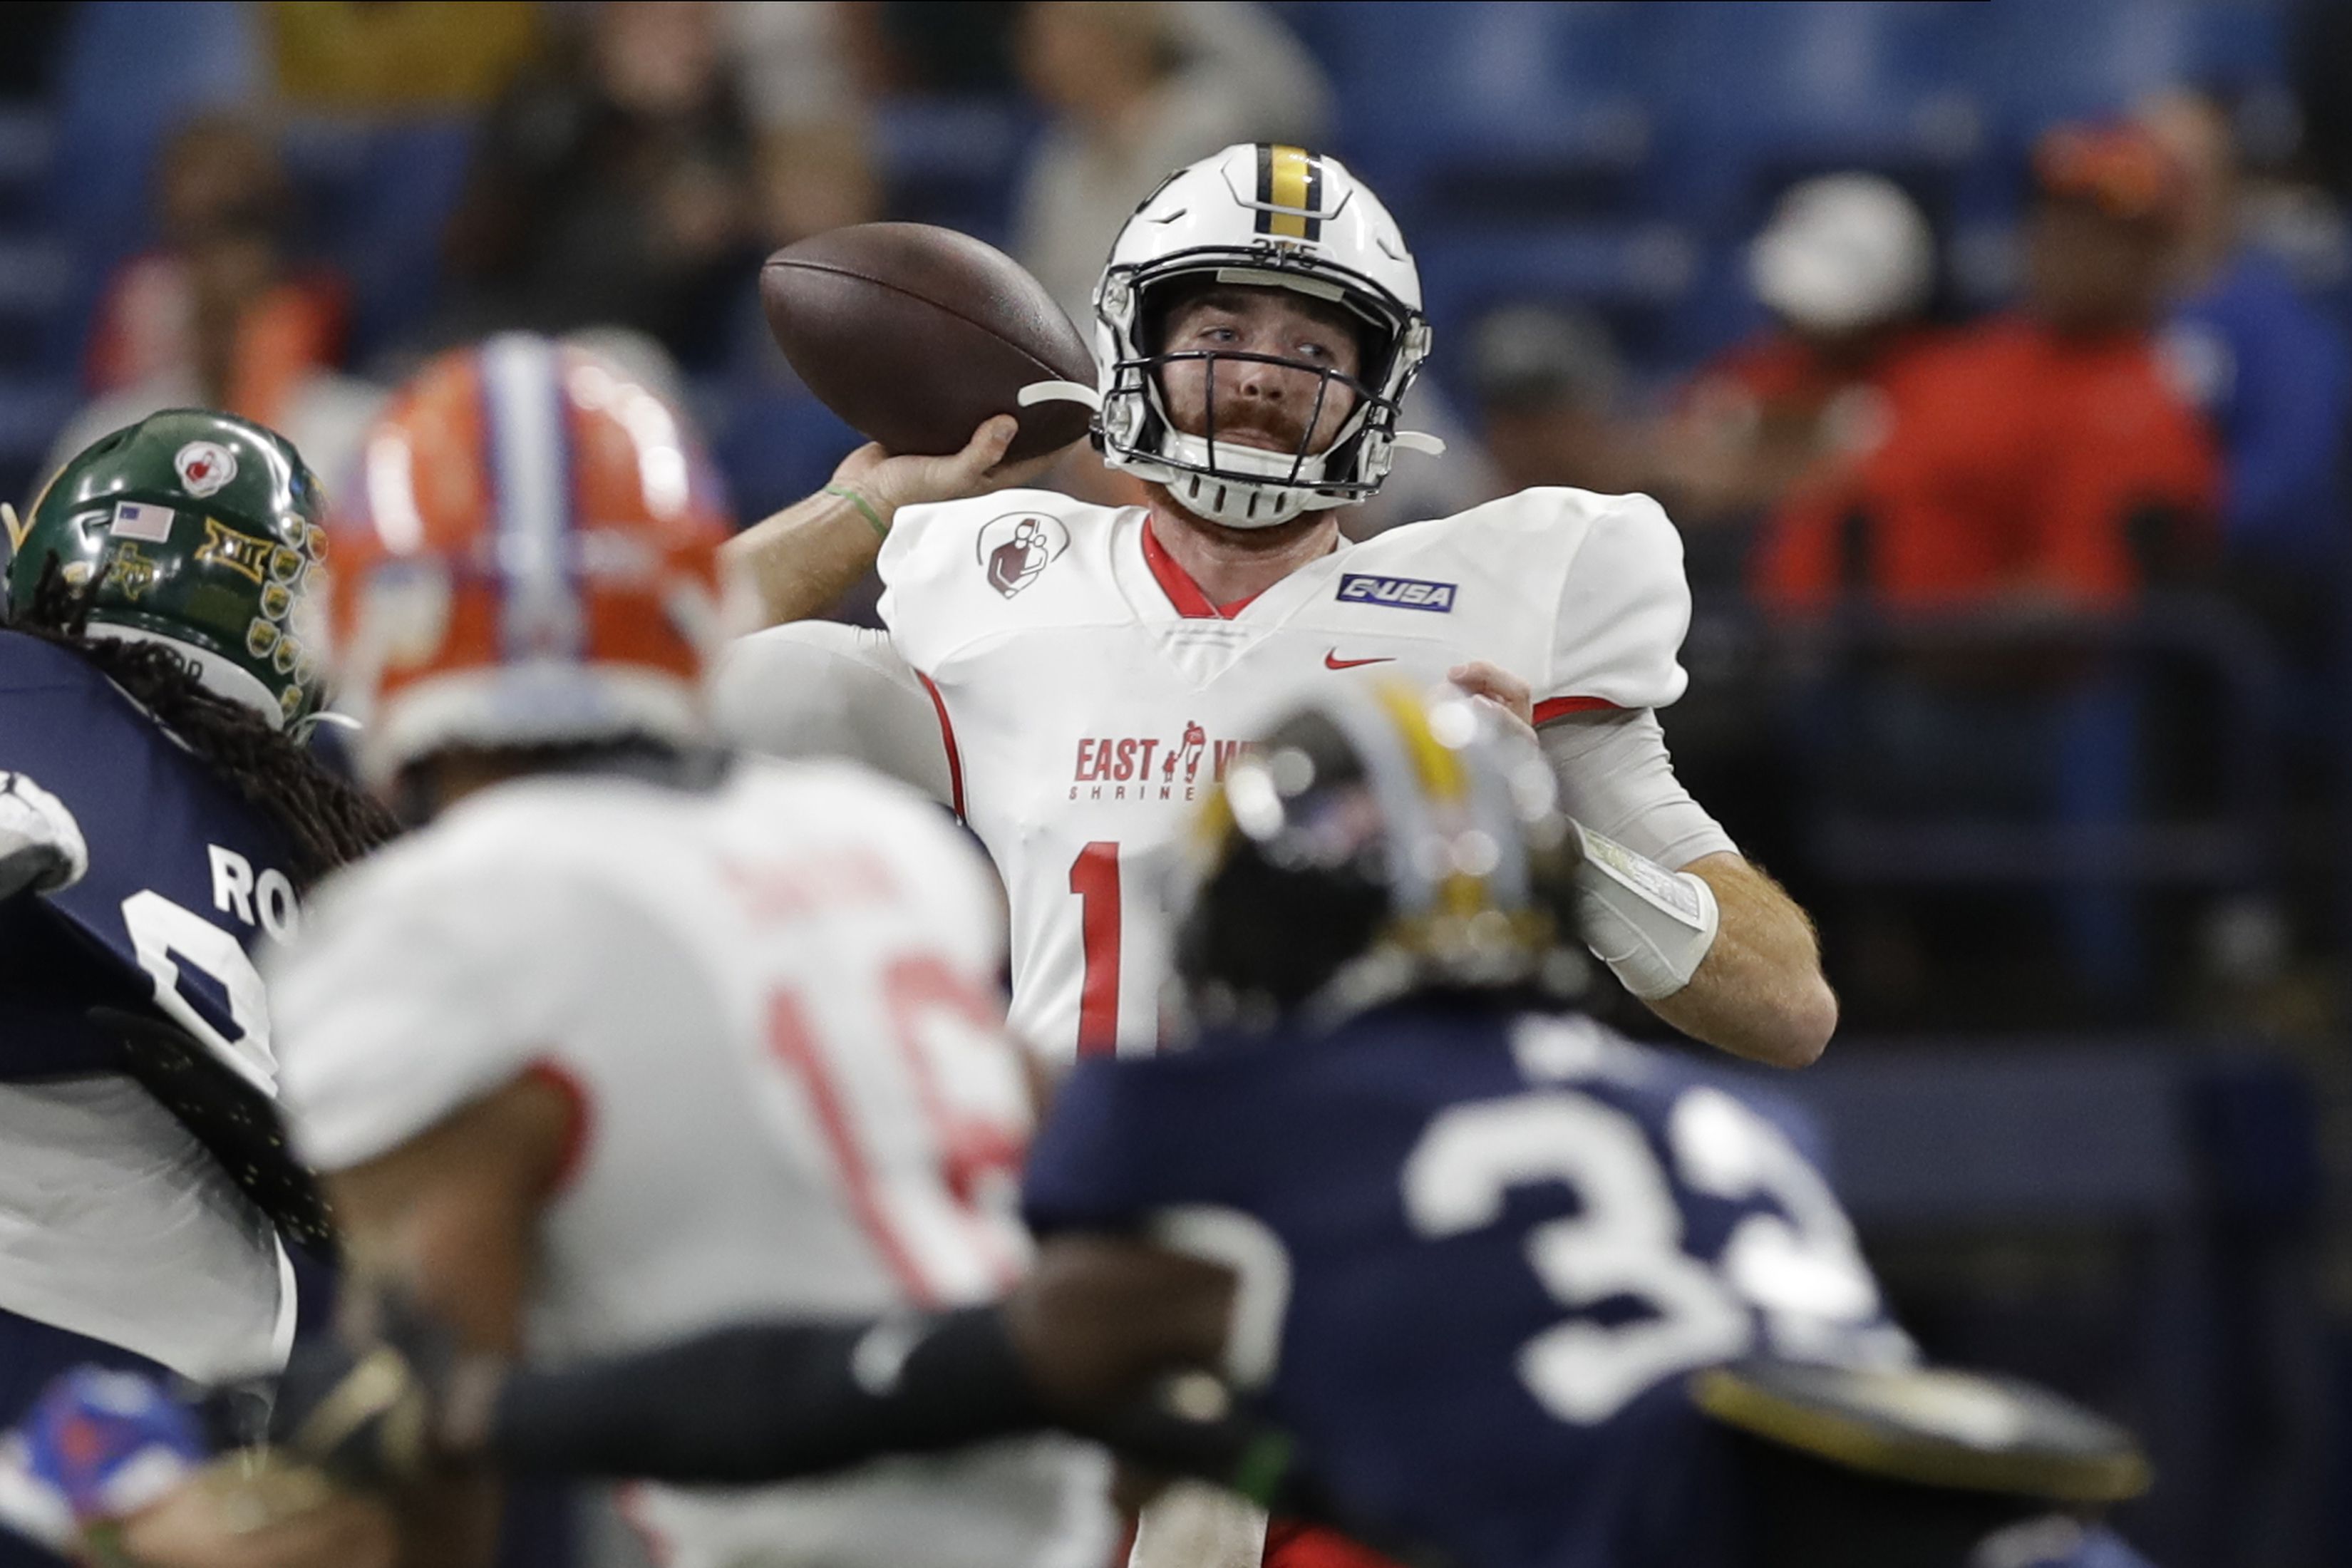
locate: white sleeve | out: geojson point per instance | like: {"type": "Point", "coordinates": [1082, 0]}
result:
{"type": "Point", "coordinates": [1624, 609]}
{"type": "Point", "coordinates": [1616, 779]}
{"type": "Point", "coordinates": [814, 688]}
{"type": "Point", "coordinates": [412, 993]}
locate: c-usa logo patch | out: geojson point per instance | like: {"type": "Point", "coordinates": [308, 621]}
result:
{"type": "Point", "coordinates": [1397, 593]}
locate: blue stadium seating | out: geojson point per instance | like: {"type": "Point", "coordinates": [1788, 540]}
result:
{"type": "Point", "coordinates": [375, 197]}
{"type": "Point", "coordinates": [129, 72]}
{"type": "Point", "coordinates": [952, 160]}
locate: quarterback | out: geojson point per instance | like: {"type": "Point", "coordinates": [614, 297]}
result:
{"type": "Point", "coordinates": [1072, 677]}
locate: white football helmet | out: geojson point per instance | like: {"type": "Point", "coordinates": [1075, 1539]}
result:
{"type": "Point", "coordinates": [1270, 216]}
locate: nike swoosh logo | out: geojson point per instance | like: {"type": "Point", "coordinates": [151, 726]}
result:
{"type": "Point", "coordinates": [1333, 661]}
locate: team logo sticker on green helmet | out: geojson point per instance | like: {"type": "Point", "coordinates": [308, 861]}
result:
{"type": "Point", "coordinates": [205, 468]}
{"type": "Point", "coordinates": [130, 573]}
{"type": "Point", "coordinates": [133, 520]}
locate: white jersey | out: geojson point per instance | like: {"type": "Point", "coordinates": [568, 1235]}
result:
{"type": "Point", "coordinates": [775, 1005]}
{"type": "Point", "coordinates": [1089, 695]}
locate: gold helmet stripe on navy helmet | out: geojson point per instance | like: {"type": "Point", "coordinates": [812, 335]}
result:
{"type": "Point", "coordinates": [1289, 192]}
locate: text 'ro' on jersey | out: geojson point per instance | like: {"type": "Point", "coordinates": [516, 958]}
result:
{"type": "Point", "coordinates": [115, 1222]}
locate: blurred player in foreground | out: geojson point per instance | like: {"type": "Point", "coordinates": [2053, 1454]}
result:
{"type": "Point", "coordinates": [1073, 677]}
{"type": "Point", "coordinates": [159, 815]}
{"type": "Point", "coordinates": [1399, 1242]}
{"type": "Point", "coordinates": [638, 1035]}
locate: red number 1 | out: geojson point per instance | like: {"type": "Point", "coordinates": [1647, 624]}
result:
{"type": "Point", "coordinates": [1094, 877]}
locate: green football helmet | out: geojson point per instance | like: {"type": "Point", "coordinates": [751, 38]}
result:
{"type": "Point", "coordinates": [199, 530]}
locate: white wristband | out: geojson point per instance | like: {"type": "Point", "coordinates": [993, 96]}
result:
{"type": "Point", "coordinates": [1651, 926]}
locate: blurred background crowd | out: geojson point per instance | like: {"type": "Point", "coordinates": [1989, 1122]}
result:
{"type": "Point", "coordinates": [1992, 359]}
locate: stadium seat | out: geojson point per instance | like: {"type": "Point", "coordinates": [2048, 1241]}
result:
{"type": "Point", "coordinates": [2048, 62]}
{"type": "Point", "coordinates": [32, 412]}
{"type": "Point", "coordinates": [953, 160]}
{"type": "Point", "coordinates": [2130, 1157]}
{"type": "Point", "coordinates": [1747, 95]}
{"type": "Point", "coordinates": [129, 73]}
{"type": "Point", "coordinates": [1608, 265]}
{"type": "Point", "coordinates": [35, 286]}
{"type": "Point", "coordinates": [2093, 836]}
{"type": "Point", "coordinates": [1495, 112]}
{"type": "Point", "coordinates": [376, 197]}
{"type": "Point", "coordinates": [27, 143]}
{"type": "Point", "coordinates": [773, 442]}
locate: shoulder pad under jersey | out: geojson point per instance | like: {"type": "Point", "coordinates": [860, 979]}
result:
{"type": "Point", "coordinates": [956, 572]}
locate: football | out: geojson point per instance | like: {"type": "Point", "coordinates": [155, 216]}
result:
{"type": "Point", "coordinates": [914, 334]}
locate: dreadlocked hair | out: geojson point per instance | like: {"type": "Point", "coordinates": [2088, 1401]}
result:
{"type": "Point", "coordinates": [326, 821]}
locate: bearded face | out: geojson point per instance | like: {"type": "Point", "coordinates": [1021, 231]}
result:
{"type": "Point", "coordinates": [1250, 398]}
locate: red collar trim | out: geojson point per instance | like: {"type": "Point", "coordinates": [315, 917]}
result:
{"type": "Point", "coordinates": [1181, 591]}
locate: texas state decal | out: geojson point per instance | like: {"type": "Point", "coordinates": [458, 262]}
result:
{"type": "Point", "coordinates": [1015, 548]}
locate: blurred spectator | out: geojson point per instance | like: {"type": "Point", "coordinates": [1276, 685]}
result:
{"type": "Point", "coordinates": [219, 293]}
{"type": "Point", "coordinates": [220, 317]}
{"type": "Point", "coordinates": [2038, 465]}
{"type": "Point", "coordinates": [2269, 371]}
{"type": "Point", "coordinates": [370, 56]}
{"type": "Point", "coordinates": [2041, 457]}
{"type": "Point", "coordinates": [1547, 381]}
{"type": "Point", "coordinates": [1846, 265]}
{"type": "Point", "coordinates": [815, 164]}
{"type": "Point", "coordinates": [1137, 89]}
{"type": "Point", "coordinates": [613, 185]}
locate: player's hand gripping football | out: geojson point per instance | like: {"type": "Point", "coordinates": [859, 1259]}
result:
{"type": "Point", "coordinates": [889, 482]}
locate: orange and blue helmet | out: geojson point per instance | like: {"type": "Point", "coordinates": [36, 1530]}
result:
{"type": "Point", "coordinates": [527, 557]}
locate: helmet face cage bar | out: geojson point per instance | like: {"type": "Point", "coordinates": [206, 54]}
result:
{"type": "Point", "coordinates": [1369, 403]}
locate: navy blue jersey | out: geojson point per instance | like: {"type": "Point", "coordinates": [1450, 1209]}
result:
{"type": "Point", "coordinates": [184, 879]}
{"type": "Point", "coordinates": [1478, 1252]}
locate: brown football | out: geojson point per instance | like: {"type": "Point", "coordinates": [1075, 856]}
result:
{"type": "Point", "coordinates": [914, 334]}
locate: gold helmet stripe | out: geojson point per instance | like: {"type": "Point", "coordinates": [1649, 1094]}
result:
{"type": "Point", "coordinates": [1289, 179]}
